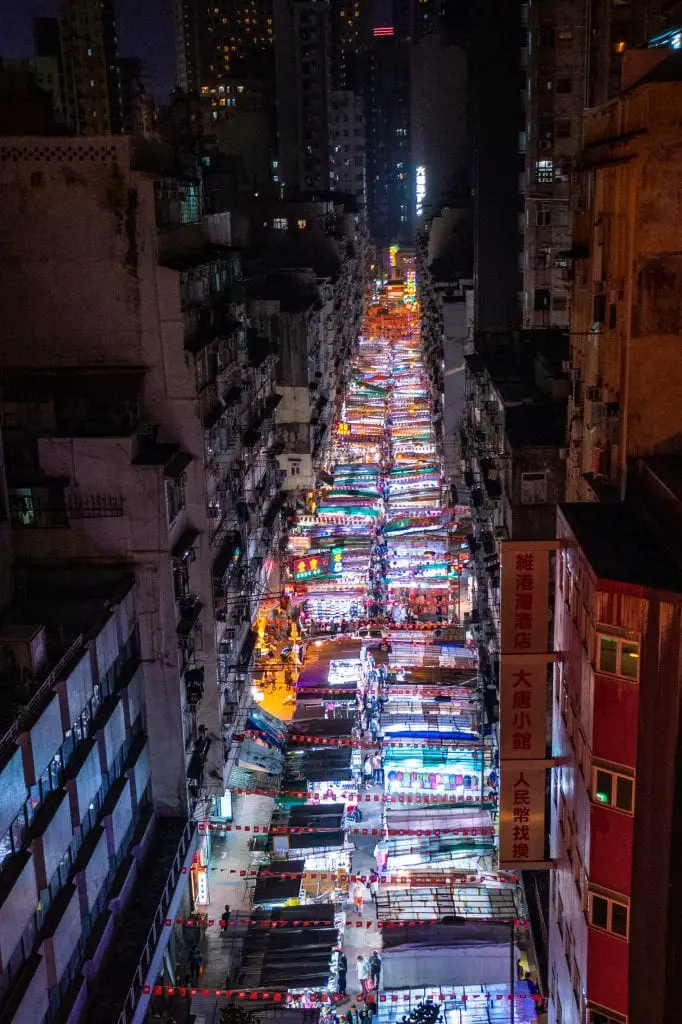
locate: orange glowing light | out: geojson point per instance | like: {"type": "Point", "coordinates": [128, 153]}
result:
{"type": "Point", "coordinates": [300, 567]}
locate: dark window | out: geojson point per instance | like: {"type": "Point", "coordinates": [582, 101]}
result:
{"type": "Point", "coordinates": [541, 299]}
{"type": "Point", "coordinates": [599, 309]}
{"type": "Point", "coordinates": [619, 919]}
{"type": "Point", "coordinates": [624, 793]}
{"type": "Point", "coordinates": [564, 85]}
{"type": "Point", "coordinates": [600, 912]}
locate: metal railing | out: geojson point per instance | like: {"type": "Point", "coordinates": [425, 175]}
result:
{"type": "Point", "coordinates": [43, 688]}
{"type": "Point", "coordinates": [157, 927]}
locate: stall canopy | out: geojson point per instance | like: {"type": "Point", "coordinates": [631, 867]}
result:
{"type": "Point", "coordinates": [278, 890]}
{"type": "Point", "coordinates": [317, 765]}
{"type": "Point", "coordinates": [272, 957]}
{"type": "Point", "coordinates": [441, 954]}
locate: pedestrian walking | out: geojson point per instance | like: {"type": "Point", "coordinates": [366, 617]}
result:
{"type": "Point", "coordinates": [374, 891]}
{"type": "Point", "coordinates": [367, 770]}
{"type": "Point", "coordinates": [225, 919]}
{"type": "Point", "coordinates": [364, 974]}
{"type": "Point", "coordinates": [374, 729]}
{"type": "Point", "coordinates": [358, 895]}
{"type": "Point", "coordinates": [343, 974]}
{"type": "Point", "coordinates": [375, 968]}
{"type": "Point", "coordinates": [196, 963]}
{"type": "Point", "coordinates": [377, 769]}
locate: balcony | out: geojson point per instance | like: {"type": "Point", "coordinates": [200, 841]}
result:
{"type": "Point", "coordinates": [258, 425]}
{"type": "Point", "coordinates": [259, 349]}
{"type": "Point", "coordinates": [206, 325]}
{"type": "Point", "coordinates": [49, 506]}
{"type": "Point", "coordinates": [142, 935]}
{"type": "Point", "coordinates": [227, 557]}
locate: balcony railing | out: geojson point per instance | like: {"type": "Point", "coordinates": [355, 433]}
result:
{"type": "Point", "coordinates": [39, 695]}
{"type": "Point", "coordinates": [158, 926]}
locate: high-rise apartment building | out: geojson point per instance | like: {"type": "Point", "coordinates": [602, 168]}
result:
{"type": "Point", "coordinates": [347, 140]}
{"type": "Point", "coordinates": [624, 320]}
{"type": "Point", "coordinates": [496, 89]}
{"type": "Point", "coordinates": [390, 175]}
{"type": "Point", "coordinates": [440, 136]}
{"type": "Point", "coordinates": [614, 913]}
{"type": "Point", "coordinates": [139, 434]}
{"type": "Point", "coordinates": [555, 100]}
{"type": "Point", "coordinates": [349, 38]}
{"type": "Point", "coordinates": [219, 41]}
{"type": "Point", "coordinates": [574, 60]}
{"type": "Point", "coordinates": [92, 85]}
{"type": "Point", "coordinates": [303, 64]}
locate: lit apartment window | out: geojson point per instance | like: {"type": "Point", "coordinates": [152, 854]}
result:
{"type": "Point", "coordinates": [301, 224]}
{"type": "Point", "coordinates": [618, 657]}
{"type": "Point", "coordinates": [534, 489]}
{"type": "Point", "coordinates": [609, 914]}
{"type": "Point", "coordinates": [613, 789]}
{"type": "Point", "coordinates": [544, 171]}
{"type": "Point", "coordinates": [280, 223]}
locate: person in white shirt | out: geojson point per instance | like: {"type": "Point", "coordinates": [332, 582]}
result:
{"type": "Point", "coordinates": [363, 973]}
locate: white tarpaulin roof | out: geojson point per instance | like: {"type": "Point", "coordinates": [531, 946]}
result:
{"type": "Point", "coordinates": [426, 955]}
{"type": "Point", "coordinates": [410, 967]}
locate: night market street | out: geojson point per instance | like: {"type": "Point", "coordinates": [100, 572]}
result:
{"type": "Point", "coordinates": [379, 793]}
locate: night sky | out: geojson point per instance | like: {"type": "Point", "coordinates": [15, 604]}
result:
{"type": "Point", "coordinates": [145, 30]}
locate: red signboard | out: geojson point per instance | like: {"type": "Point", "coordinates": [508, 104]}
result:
{"type": "Point", "coordinates": [523, 701]}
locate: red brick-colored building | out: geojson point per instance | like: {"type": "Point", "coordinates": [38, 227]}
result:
{"type": "Point", "coordinates": [616, 895]}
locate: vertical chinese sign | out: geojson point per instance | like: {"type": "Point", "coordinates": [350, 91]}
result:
{"type": "Point", "coordinates": [523, 702]}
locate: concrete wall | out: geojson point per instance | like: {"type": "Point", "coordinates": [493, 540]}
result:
{"type": "Point", "coordinates": [76, 690]}
{"type": "Point", "coordinates": [141, 773]}
{"type": "Point", "coordinates": [17, 904]}
{"type": "Point", "coordinates": [13, 789]}
{"type": "Point", "coordinates": [112, 735]}
{"type": "Point", "coordinates": [87, 782]}
{"type": "Point", "coordinates": [58, 949]}
{"type": "Point", "coordinates": [50, 847]}
{"type": "Point", "coordinates": [96, 870]}
{"type": "Point", "coordinates": [34, 1005]}
{"type": "Point", "coordinates": [121, 816]}
{"type": "Point", "coordinates": [67, 224]}
{"type": "Point", "coordinates": [43, 741]}
{"type": "Point", "coordinates": [632, 234]}
{"type": "Point", "coordinates": [107, 647]}
{"type": "Point", "coordinates": [133, 697]}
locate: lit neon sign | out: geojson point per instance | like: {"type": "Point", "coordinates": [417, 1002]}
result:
{"type": "Point", "coordinates": [421, 190]}
{"type": "Point", "coordinates": [310, 567]}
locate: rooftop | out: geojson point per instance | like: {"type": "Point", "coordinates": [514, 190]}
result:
{"type": "Point", "coordinates": [621, 545]}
